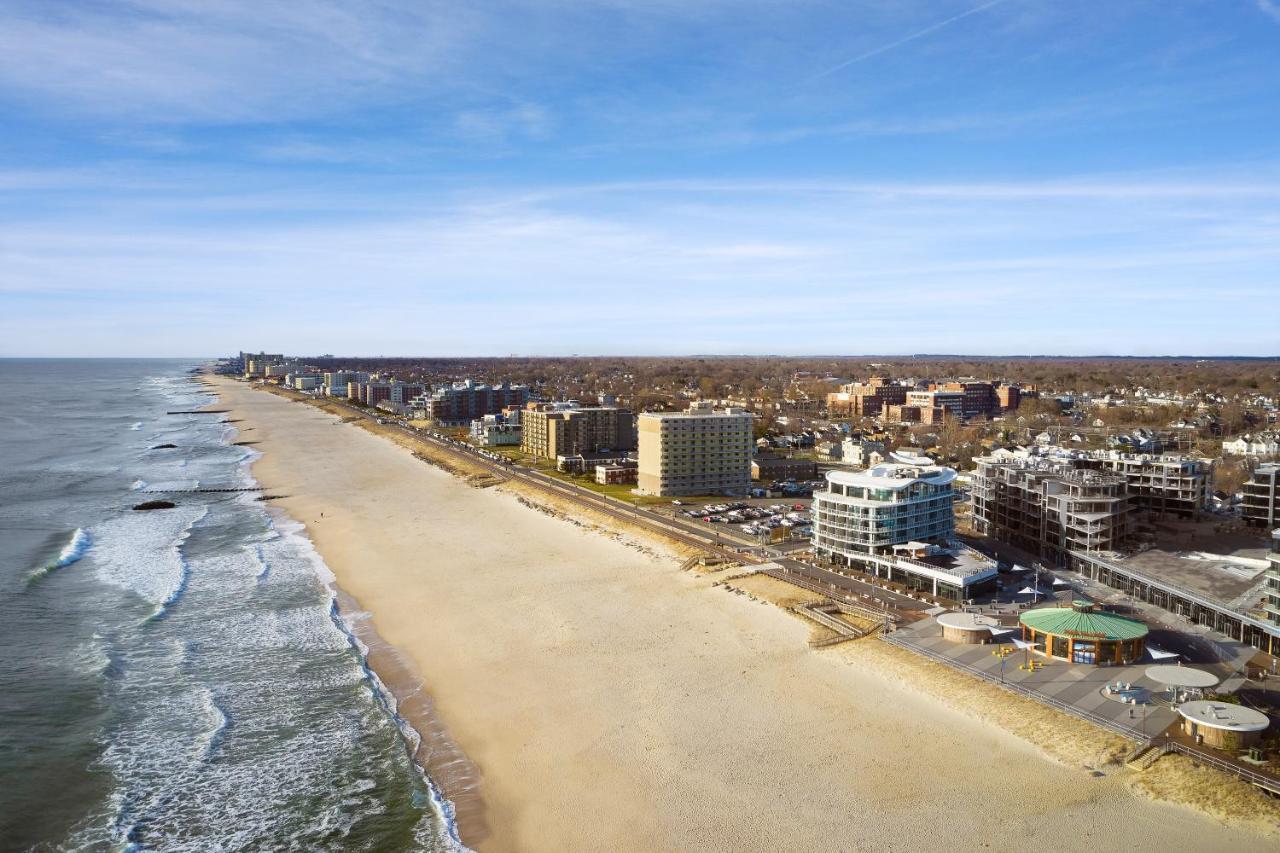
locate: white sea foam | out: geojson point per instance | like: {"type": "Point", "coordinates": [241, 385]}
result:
{"type": "Point", "coordinates": [172, 486]}
{"type": "Point", "coordinates": [141, 552]}
{"type": "Point", "coordinates": [136, 426]}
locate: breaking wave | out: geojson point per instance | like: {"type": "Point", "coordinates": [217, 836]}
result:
{"type": "Point", "coordinates": [75, 548]}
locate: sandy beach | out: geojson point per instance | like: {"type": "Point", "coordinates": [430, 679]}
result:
{"type": "Point", "coordinates": [605, 700]}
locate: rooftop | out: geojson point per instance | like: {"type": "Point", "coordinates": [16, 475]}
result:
{"type": "Point", "coordinates": [1194, 555]}
{"type": "Point", "coordinates": [1221, 715]}
{"type": "Point", "coordinates": [892, 475]}
{"type": "Point", "coordinates": [1081, 621]}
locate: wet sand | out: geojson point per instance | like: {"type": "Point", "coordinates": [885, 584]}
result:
{"type": "Point", "coordinates": [607, 700]}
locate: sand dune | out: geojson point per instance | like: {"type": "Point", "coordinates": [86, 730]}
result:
{"type": "Point", "coordinates": [613, 702]}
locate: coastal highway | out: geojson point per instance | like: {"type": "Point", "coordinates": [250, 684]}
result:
{"type": "Point", "coordinates": [711, 541]}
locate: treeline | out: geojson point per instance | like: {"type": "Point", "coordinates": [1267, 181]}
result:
{"type": "Point", "coordinates": [657, 381]}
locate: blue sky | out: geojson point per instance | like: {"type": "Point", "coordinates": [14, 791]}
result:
{"type": "Point", "coordinates": [193, 177]}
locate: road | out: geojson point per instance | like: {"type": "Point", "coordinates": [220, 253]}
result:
{"type": "Point", "coordinates": [711, 541]}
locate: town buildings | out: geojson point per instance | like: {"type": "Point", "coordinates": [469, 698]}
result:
{"type": "Point", "coordinates": [1261, 503]}
{"type": "Point", "coordinates": [771, 467]}
{"type": "Point", "coordinates": [858, 400]}
{"type": "Point", "coordinates": [702, 451]}
{"type": "Point", "coordinates": [1263, 444]}
{"type": "Point", "coordinates": [390, 391]}
{"type": "Point", "coordinates": [551, 430]}
{"type": "Point", "coordinates": [495, 431]}
{"type": "Point", "coordinates": [897, 521]}
{"type": "Point", "coordinates": [462, 402]}
{"type": "Point", "coordinates": [255, 364]}
{"type": "Point", "coordinates": [936, 405]}
{"type": "Point", "coordinates": [336, 382]}
{"type": "Point", "coordinates": [617, 473]}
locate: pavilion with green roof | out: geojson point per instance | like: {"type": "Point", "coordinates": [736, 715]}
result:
{"type": "Point", "coordinates": [1083, 634]}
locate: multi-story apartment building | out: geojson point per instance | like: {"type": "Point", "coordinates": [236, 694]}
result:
{"type": "Point", "coordinates": [1052, 501]}
{"type": "Point", "coordinates": [1160, 484]}
{"type": "Point", "coordinates": [255, 364]}
{"type": "Point", "coordinates": [462, 402]}
{"type": "Point", "coordinates": [336, 382]}
{"type": "Point", "coordinates": [550, 430]}
{"type": "Point", "coordinates": [1048, 506]}
{"type": "Point", "coordinates": [1261, 506]}
{"type": "Point", "coordinates": [865, 400]}
{"type": "Point", "coordinates": [702, 451]}
{"type": "Point", "coordinates": [898, 521]}
{"type": "Point", "coordinates": [1272, 603]}
{"type": "Point", "coordinates": [391, 391]}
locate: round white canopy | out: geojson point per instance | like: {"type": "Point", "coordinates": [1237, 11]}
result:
{"type": "Point", "coordinates": [1182, 676]}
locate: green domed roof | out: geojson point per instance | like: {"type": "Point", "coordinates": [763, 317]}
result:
{"type": "Point", "coordinates": [1081, 621]}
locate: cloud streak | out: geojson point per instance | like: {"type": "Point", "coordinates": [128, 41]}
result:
{"type": "Point", "coordinates": [918, 34]}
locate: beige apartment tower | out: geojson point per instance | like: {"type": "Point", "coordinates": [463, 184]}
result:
{"type": "Point", "coordinates": [703, 451]}
{"type": "Point", "coordinates": [549, 430]}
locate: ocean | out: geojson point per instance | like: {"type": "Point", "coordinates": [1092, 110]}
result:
{"type": "Point", "coordinates": [176, 679]}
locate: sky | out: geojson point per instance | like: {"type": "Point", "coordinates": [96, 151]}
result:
{"type": "Point", "coordinates": [556, 177]}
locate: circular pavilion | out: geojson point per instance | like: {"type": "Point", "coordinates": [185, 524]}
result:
{"type": "Point", "coordinates": [1221, 725]}
{"type": "Point", "coordinates": [1083, 634]}
{"type": "Point", "coordinates": [966, 627]}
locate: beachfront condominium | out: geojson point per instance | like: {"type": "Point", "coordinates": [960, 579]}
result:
{"type": "Point", "coordinates": [336, 382]}
{"type": "Point", "coordinates": [551, 430]}
{"type": "Point", "coordinates": [1052, 501]}
{"type": "Point", "coordinates": [391, 391]}
{"type": "Point", "coordinates": [1048, 506]}
{"type": "Point", "coordinates": [1261, 506]}
{"type": "Point", "coordinates": [702, 451]}
{"type": "Point", "coordinates": [463, 402]}
{"type": "Point", "coordinates": [869, 512]}
{"type": "Point", "coordinates": [897, 521]}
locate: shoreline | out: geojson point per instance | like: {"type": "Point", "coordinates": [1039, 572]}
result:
{"type": "Point", "coordinates": [473, 831]}
{"type": "Point", "coordinates": [452, 778]}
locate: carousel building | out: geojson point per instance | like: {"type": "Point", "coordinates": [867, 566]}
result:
{"type": "Point", "coordinates": [1083, 634]}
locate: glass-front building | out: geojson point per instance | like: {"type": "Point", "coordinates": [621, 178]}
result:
{"type": "Point", "coordinates": [897, 521]}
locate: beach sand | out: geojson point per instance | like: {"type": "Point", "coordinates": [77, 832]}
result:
{"type": "Point", "coordinates": [609, 701]}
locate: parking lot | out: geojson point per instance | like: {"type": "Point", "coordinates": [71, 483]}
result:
{"type": "Point", "coordinates": [756, 518]}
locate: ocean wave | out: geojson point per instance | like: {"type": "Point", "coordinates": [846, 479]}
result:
{"type": "Point", "coordinates": [219, 720]}
{"type": "Point", "coordinates": [142, 552]}
{"type": "Point", "coordinates": [75, 548]}
{"type": "Point", "coordinates": [263, 565]}
{"type": "Point", "coordinates": [136, 426]}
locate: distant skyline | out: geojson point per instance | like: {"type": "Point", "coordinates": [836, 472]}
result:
{"type": "Point", "coordinates": [646, 177]}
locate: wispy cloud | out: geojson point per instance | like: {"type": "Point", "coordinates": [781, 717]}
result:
{"type": "Point", "coordinates": [1270, 8]}
{"type": "Point", "coordinates": [918, 34]}
{"type": "Point", "coordinates": [223, 60]}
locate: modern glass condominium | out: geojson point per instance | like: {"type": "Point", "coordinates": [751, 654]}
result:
{"type": "Point", "coordinates": [869, 512]}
